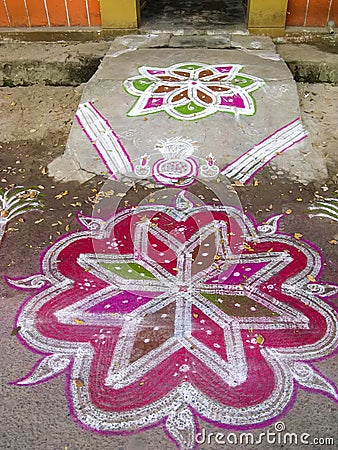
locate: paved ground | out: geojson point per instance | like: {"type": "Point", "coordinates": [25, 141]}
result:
{"type": "Point", "coordinates": [35, 123]}
{"type": "Point", "coordinates": [163, 15]}
{"type": "Point", "coordinates": [264, 84]}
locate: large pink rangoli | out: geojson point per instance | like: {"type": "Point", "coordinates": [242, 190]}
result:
{"type": "Point", "coordinates": [162, 314]}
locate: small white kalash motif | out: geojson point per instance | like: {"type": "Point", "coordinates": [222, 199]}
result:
{"type": "Point", "coordinates": [143, 169]}
{"type": "Point", "coordinates": [210, 170]}
{"type": "Point", "coordinates": [177, 166]}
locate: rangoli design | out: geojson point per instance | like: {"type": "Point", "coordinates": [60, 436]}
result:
{"type": "Point", "coordinates": [190, 91]}
{"type": "Point", "coordinates": [164, 314]}
{"type": "Point", "coordinates": [177, 165]}
{"type": "Point", "coordinates": [104, 139]}
{"type": "Point", "coordinates": [15, 202]}
{"type": "Point", "coordinates": [327, 208]}
{"type": "Point", "coordinates": [245, 167]}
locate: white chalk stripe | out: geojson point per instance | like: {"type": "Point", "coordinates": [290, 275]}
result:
{"type": "Point", "coordinates": [67, 12]}
{"type": "Point", "coordinates": [103, 138]}
{"type": "Point", "coordinates": [329, 199]}
{"type": "Point", "coordinates": [104, 143]}
{"type": "Point", "coordinates": [325, 207]}
{"type": "Point", "coordinates": [47, 12]}
{"type": "Point", "coordinates": [324, 215]}
{"type": "Point", "coordinates": [257, 157]}
{"type": "Point", "coordinates": [274, 143]}
{"type": "Point", "coordinates": [7, 13]}
{"type": "Point", "coordinates": [279, 136]}
{"type": "Point", "coordinates": [258, 161]}
{"type": "Point", "coordinates": [101, 135]}
{"type": "Point", "coordinates": [323, 204]}
{"type": "Point", "coordinates": [278, 139]}
{"type": "Point", "coordinates": [27, 13]}
{"type": "Point", "coordinates": [88, 14]}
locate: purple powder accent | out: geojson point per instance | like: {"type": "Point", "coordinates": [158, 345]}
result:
{"type": "Point", "coordinates": [233, 100]}
{"type": "Point", "coordinates": [123, 302]}
{"type": "Point", "coordinates": [156, 72]}
{"type": "Point", "coordinates": [224, 69]}
{"type": "Point", "coordinates": [243, 271]}
{"type": "Point", "coordinates": [237, 274]}
{"type": "Point", "coordinates": [154, 102]}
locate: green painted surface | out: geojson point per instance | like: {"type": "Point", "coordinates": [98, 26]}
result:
{"type": "Point", "coordinates": [130, 271]}
{"type": "Point", "coordinates": [190, 108]}
{"type": "Point", "coordinates": [142, 84]}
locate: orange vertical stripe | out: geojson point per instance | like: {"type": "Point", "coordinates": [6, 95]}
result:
{"type": "Point", "coordinates": [37, 13]}
{"type": "Point", "coordinates": [57, 13]}
{"type": "Point", "coordinates": [77, 12]}
{"type": "Point", "coordinates": [3, 15]}
{"type": "Point", "coordinates": [334, 12]}
{"type": "Point", "coordinates": [296, 13]}
{"type": "Point", "coordinates": [94, 12]}
{"type": "Point", "coordinates": [317, 13]}
{"type": "Point", "coordinates": [17, 13]}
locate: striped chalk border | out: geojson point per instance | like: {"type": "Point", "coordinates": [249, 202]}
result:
{"type": "Point", "coordinates": [104, 139]}
{"type": "Point", "coordinates": [325, 208]}
{"type": "Point", "coordinates": [247, 165]}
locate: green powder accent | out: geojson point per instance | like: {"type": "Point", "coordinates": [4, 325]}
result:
{"type": "Point", "coordinates": [241, 81]}
{"type": "Point", "coordinates": [330, 208]}
{"type": "Point", "coordinates": [189, 109]}
{"type": "Point", "coordinates": [142, 84]}
{"type": "Point", "coordinates": [228, 305]}
{"type": "Point", "coordinates": [190, 67]}
{"type": "Point", "coordinates": [135, 271]}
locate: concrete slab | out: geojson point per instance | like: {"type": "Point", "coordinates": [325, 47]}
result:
{"type": "Point", "coordinates": [253, 42]}
{"type": "Point", "coordinates": [311, 64]}
{"type": "Point", "coordinates": [227, 136]}
{"type": "Point", "coordinates": [142, 41]}
{"type": "Point", "coordinates": [200, 41]}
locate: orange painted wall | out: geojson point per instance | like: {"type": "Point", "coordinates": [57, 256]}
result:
{"type": "Point", "coordinates": [49, 13]}
{"type": "Point", "coordinates": [311, 13]}
{"type": "Point", "coordinates": [41, 13]}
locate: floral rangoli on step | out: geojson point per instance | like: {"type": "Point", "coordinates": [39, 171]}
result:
{"type": "Point", "coordinates": [190, 91]}
{"type": "Point", "coordinates": [162, 314]}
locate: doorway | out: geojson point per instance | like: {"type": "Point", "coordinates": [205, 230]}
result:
{"type": "Point", "coordinates": [195, 16]}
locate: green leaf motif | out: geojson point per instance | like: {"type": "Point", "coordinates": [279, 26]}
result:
{"type": "Point", "coordinates": [189, 108]}
{"type": "Point", "coordinates": [190, 67]}
{"type": "Point", "coordinates": [142, 84]}
{"type": "Point", "coordinates": [241, 81]}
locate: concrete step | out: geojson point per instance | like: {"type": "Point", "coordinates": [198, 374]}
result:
{"type": "Point", "coordinates": [228, 102]}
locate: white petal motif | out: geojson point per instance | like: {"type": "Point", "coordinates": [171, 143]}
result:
{"type": "Point", "coordinates": [181, 426]}
{"type": "Point", "coordinates": [307, 377]}
{"type": "Point", "coordinates": [92, 223]}
{"type": "Point", "coordinates": [269, 226]}
{"type": "Point", "coordinates": [32, 282]}
{"type": "Point", "coordinates": [47, 368]}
